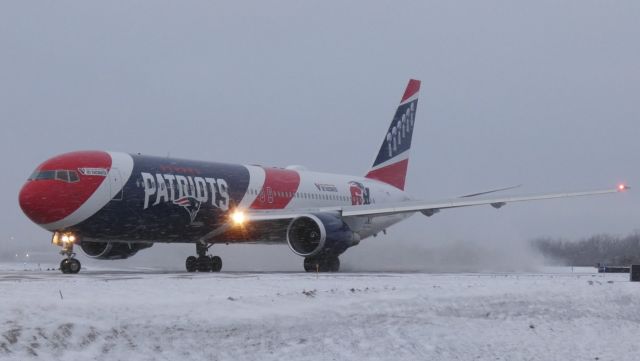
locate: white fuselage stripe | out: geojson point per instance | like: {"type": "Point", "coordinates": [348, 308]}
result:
{"type": "Point", "coordinates": [256, 182]}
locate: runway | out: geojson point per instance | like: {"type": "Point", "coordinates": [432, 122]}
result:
{"type": "Point", "coordinates": [157, 315]}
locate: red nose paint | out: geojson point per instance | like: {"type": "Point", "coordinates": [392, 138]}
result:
{"type": "Point", "coordinates": [50, 200]}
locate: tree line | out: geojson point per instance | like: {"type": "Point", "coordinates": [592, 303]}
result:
{"type": "Point", "coordinates": [603, 249]}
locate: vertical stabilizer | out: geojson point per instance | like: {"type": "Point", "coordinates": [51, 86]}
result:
{"type": "Point", "coordinates": [392, 161]}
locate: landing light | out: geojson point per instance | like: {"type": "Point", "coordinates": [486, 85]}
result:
{"type": "Point", "coordinates": [238, 217]}
{"type": "Point", "coordinates": [622, 187]}
{"type": "Point", "coordinates": [63, 239]}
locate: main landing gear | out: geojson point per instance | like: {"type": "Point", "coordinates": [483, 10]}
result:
{"type": "Point", "coordinates": [324, 263]}
{"type": "Point", "coordinates": [69, 264]}
{"type": "Point", "coordinates": [204, 262]}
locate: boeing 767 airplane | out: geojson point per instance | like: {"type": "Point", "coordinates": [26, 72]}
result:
{"type": "Point", "coordinates": [114, 204]}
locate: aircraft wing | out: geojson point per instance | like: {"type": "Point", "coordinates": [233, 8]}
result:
{"type": "Point", "coordinates": [428, 208]}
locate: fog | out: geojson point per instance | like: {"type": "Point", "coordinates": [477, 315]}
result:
{"type": "Point", "coordinates": [544, 94]}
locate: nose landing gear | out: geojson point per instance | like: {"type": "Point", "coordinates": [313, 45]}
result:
{"type": "Point", "coordinates": [204, 262]}
{"type": "Point", "coordinates": [66, 241]}
{"type": "Point", "coordinates": [69, 264]}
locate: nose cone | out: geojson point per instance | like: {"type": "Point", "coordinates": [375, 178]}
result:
{"type": "Point", "coordinates": [59, 188]}
{"type": "Point", "coordinates": [35, 201]}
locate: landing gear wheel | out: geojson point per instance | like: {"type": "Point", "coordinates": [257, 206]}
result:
{"type": "Point", "coordinates": [64, 265]}
{"type": "Point", "coordinates": [204, 264]}
{"type": "Point", "coordinates": [70, 265]}
{"type": "Point", "coordinates": [310, 264]}
{"type": "Point", "coordinates": [216, 264]}
{"type": "Point", "coordinates": [74, 265]}
{"type": "Point", "coordinates": [322, 264]}
{"type": "Point", "coordinates": [191, 263]}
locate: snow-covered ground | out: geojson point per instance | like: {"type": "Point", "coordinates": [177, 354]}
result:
{"type": "Point", "coordinates": [153, 315]}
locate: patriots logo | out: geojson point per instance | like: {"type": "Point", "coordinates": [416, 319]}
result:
{"type": "Point", "coordinates": [190, 204]}
{"type": "Point", "coordinates": [359, 193]}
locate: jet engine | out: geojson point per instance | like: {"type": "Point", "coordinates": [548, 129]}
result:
{"type": "Point", "coordinates": [112, 250]}
{"type": "Point", "coordinates": [313, 234]}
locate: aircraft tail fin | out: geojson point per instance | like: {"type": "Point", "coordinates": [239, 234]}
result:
{"type": "Point", "coordinates": [391, 163]}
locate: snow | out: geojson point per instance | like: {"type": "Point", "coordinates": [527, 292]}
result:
{"type": "Point", "coordinates": [154, 315]}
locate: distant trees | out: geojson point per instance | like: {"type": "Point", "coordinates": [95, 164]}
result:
{"type": "Point", "coordinates": [604, 249]}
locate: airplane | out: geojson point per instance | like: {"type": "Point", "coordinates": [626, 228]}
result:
{"type": "Point", "coordinates": [114, 204]}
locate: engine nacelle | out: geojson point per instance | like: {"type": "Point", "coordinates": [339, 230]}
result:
{"type": "Point", "coordinates": [313, 234]}
{"type": "Point", "coordinates": [112, 250]}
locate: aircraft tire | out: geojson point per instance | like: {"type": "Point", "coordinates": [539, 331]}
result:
{"type": "Point", "coordinates": [64, 266]}
{"type": "Point", "coordinates": [70, 265]}
{"type": "Point", "coordinates": [204, 264]}
{"type": "Point", "coordinates": [74, 265]}
{"type": "Point", "coordinates": [191, 264]}
{"type": "Point", "coordinates": [309, 264]}
{"type": "Point", "coordinates": [216, 264]}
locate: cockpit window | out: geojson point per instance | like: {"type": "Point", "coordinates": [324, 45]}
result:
{"type": "Point", "coordinates": [68, 176]}
{"type": "Point", "coordinates": [43, 174]}
{"type": "Point", "coordinates": [62, 175]}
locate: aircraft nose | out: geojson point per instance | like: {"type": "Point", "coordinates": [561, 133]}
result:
{"type": "Point", "coordinates": [32, 201]}
{"type": "Point", "coordinates": [37, 202]}
{"type": "Point", "coordinates": [61, 185]}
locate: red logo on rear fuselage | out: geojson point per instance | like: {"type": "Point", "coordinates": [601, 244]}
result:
{"type": "Point", "coordinates": [359, 194]}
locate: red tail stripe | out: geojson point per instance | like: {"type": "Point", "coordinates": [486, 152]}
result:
{"type": "Point", "coordinates": [412, 88]}
{"type": "Point", "coordinates": [394, 174]}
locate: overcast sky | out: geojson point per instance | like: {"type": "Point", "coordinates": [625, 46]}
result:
{"type": "Point", "coordinates": [543, 93]}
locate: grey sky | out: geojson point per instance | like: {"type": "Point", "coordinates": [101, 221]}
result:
{"type": "Point", "coordinates": [543, 93]}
